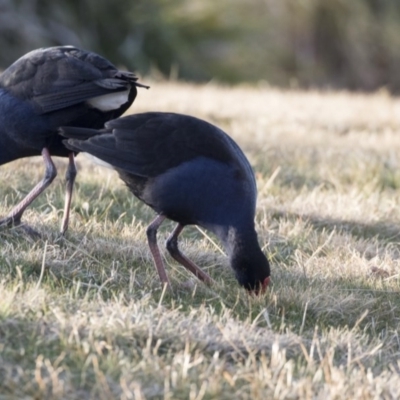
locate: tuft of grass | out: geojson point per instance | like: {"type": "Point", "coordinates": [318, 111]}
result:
{"type": "Point", "coordinates": [85, 316]}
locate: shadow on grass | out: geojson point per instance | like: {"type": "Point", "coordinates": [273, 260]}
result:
{"type": "Point", "coordinates": [384, 231]}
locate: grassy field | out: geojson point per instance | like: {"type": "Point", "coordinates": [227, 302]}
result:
{"type": "Point", "coordinates": [85, 316]}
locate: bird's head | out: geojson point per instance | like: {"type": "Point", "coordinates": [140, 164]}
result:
{"type": "Point", "coordinates": [252, 270]}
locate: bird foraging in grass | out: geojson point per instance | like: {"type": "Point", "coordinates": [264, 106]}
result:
{"type": "Point", "coordinates": [188, 171]}
{"type": "Point", "coordinates": [52, 87]}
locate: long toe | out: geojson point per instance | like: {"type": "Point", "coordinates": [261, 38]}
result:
{"type": "Point", "coordinates": [9, 222]}
{"type": "Point", "coordinates": [32, 233]}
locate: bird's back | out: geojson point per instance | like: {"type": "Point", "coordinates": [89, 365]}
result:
{"type": "Point", "coordinates": [179, 165]}
{"type": "Point", "coordinates": [149, 144]}
{"type": "Point", "coordinates": [56, 86]}
{"type": "Point", "coordinates": [49, 70]}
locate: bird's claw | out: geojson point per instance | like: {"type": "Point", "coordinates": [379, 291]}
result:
{"type": "Point", "coordinates": [10, 222]}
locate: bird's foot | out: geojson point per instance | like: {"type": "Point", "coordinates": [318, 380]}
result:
{"type": "Point", "coordinates": [33, 233]}
{"type": "Point", "coordinates": [60, 237]}
{"type": "Point", "coordinates": [7, 222]}
{"type": "Point", "coordinates": [10, 222]}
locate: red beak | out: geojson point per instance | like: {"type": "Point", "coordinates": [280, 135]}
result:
{"type": "Point", "coordinates": [263, 287]}
{"type": "Point", "coordinates": [266, 282]}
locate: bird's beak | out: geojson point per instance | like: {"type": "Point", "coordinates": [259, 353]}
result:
{"type": "Point", "coordinates": [262, 289]}
{"type": "Point", "coordinates": [265, 283]}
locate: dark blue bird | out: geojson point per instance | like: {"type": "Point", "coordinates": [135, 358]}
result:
{"type": "Point", "coordinates": [49, 88]}
{"type": "Point", "coordinates": [188, 171]}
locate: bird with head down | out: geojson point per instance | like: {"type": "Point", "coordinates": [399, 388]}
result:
{"type": "Point", "coordinates": [189, 171]}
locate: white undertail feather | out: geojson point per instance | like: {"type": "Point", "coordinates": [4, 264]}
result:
{"type": "Point", "coordinates": [108, 102]}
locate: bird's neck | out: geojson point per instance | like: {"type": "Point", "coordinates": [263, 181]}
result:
{"type": "Point", "coordinates": [246, 258]}
{"type": "Point", "coordinates": [238, 239]}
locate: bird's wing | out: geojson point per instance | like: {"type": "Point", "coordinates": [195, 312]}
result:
{"type": "Point", "coordinates": [150, 144]}
{"type": "Point", "coordinates": [60, 77]}
{"type": "Point", "coordinates": [72, 132]}
{"type": "Point", "coordinates": [70, 96]}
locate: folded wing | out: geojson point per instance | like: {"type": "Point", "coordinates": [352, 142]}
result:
{"type": "Point", "coordinates": [151, 143]}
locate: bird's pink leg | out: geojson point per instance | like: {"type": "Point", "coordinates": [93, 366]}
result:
{"type": "Point", "coordinates": [155, 251]}
{"type": "Point", "coordinates": [172, 247]}
{"type": "Point", "coordinates": [69, 179]}
{"type": "Point", "coordinates": [14, 217]}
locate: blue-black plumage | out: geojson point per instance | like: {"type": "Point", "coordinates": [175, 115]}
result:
{"type": "Point", "coordinates": [191, 172]}
{"type": "Point", "coordinates": [52, 87]}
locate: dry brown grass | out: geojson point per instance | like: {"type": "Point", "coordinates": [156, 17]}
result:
{"type": "Point", "coordinates": [85, 317]}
